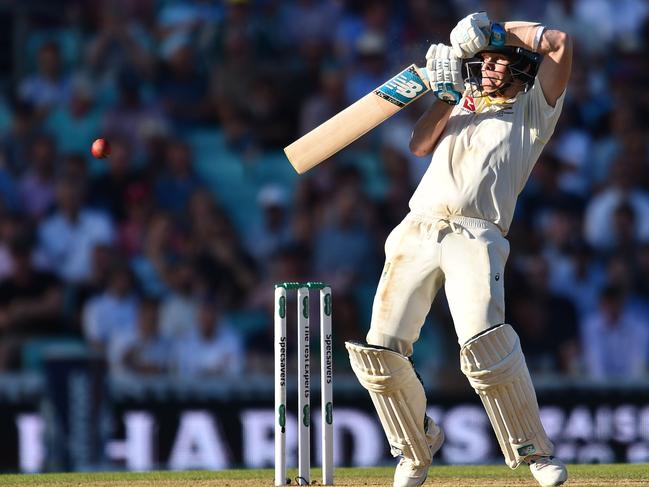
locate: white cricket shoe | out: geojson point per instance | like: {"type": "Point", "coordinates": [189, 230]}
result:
{"type": "Point", "coordinates": [409, 475]}
{"type": "Point", "coordinates": [548, 471]}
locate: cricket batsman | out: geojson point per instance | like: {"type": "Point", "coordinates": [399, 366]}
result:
{"type": "Point", "coordinates": [485, 133]}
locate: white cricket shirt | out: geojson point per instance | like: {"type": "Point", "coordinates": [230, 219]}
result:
{"type": "Point", "coordinates": [484, 157]}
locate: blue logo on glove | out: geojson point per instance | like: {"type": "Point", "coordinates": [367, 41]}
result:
{"type": "Point", "coordinates": [498, 35]}
{"type": "Point", "coordinates": [446, 93]}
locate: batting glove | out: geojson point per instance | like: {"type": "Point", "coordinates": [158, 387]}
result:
{"type": "Point", "coordinates": [471, 35]}
{"type": "Point", "coordinates": [444, 73]}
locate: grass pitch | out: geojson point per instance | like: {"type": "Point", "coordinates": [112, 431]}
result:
{"type": "Point", "coordinates": [439, 476]}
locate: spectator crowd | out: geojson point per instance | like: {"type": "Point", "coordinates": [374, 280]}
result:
{"type": "Point", "coordinates": [163, 256]}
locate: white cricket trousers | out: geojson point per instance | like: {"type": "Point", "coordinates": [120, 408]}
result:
{"type": "Point", "coordinates": [466, 255]}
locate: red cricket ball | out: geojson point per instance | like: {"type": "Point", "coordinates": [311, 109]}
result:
{"type": "Point", "coordinates": [100, 148]}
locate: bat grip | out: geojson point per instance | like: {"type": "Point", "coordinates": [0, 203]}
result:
{"type": "Point", "coordinates": [423, 74]}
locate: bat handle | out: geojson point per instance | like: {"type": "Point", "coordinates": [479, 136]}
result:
{"type": "Point", "coordinates": [423, 74]}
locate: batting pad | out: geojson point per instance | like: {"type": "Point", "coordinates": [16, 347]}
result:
{"type": "Point", "coordinates": [495, 366]}
{"type": "Point", "coordinates": [398, 397]}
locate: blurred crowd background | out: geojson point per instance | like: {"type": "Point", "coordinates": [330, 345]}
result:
{"type": "Point", "coordinates": [163, 256]}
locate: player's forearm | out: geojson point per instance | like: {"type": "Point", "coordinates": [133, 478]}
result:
{"type": "Point", "coordinates": [429, 128]}
{"type": "Point", "coordinates": [556, 48]}
{"type": "Point", "coordinates": [534, 37]}
{"type": "Point", "coordinates": [554, 42]}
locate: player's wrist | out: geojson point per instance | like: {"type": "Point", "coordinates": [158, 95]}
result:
{"type": "Point", "coordinates": [527, 35]}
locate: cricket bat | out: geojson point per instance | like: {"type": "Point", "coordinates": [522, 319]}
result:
{"type": "Point", "coordinates": [357, 119]}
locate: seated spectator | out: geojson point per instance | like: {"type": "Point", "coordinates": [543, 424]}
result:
{"type": "Point", "coordinates": [75, 167]}
{"type": "Point", "coordinates": [102, 261]}
{"type": "Point", "coordinates": [120, 43]}
{"type": "Point", "coordinates": [31, 304]}
{"type": "Point", "coordinates": [131, 117]}
{"type": "Point", "coordinates": [180, 306]}
{"type": "Point", "coordinates": [558, 231]}
{"type": "Point", "coordinates": [153, 140]}
{"type": "Point", "coordinates": [219, 252]}
{"type": "Point", "coordinates": [622, 272]}
{"type": "Point", "coordinates": [17, 142]}
{"type": "Point", "coordinates": [188, 17]}
{"type": "Point", "coordinates": [75, 122]}
{"type": "Point", "coordinates": [274, 230]}
{"type": "Point", "coordinates": [569, 17]}
{"type": "Point", "coordinates": [146, 351]}
{"type": "Point", "coordinates": [238, 135]}
{"type": "Point", "coordinates": [152, 263]}
{"type": "Point", "coordinates": [544, 194]}
{"type": "Point", "coordinates": [108, 191]}
{"type": "Point", "coordinates": [213, 349]}
{"type": "Point", "coordinates": [343, 247]}
{"type": "Point", "coordinates": [601, 209]}
{"type": "Point", "coordinates": [203, 208]}
{"type": "Point", "coordinates": [574, 271]}
{"type": "Point", "coordinates": [49, 86]}
{"type": "Point", "coordinates": [175, 185]}
{"type": "Point", "coordinates": [394, 203]}
{"type": "Point", "coordinates": [111, 316]}
{"type": "Point", "coordinates": [38, 184]}
{"type": "Point", "coordinates": [288, 263]}
{"type": "Point", "coordinates": [324, 104]}
{"type": "Point", "coordinates": [369, 69]}
{"type": "Point", "coordinates": [272, 116]}
{"type": "Point", "coordinates": [615, 339]}
{"type": "Point", "coordinates": [578, 277]}
{"type": "Point", "coordinates": [307, 21]}
{"type": "Point", "coordinates": [545, 321]}
{"type": "Point", "coordinates": [572, 147]}
{"type": "Point", "coordinates": [138, 208]}
{"type": "Point", "coordinates": [230, 82]}
{"type": "Point", "coordinates": [182, 87]}
{"type": "Point", "coordinates": [367, 19]}
{"type": "Point", "coordinates": [66, 238]}
{"type": "Point", "coordinates": [615, 125]}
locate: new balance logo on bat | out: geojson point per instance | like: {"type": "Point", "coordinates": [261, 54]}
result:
{"type": "Point", "coordinates": [403, 88]}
